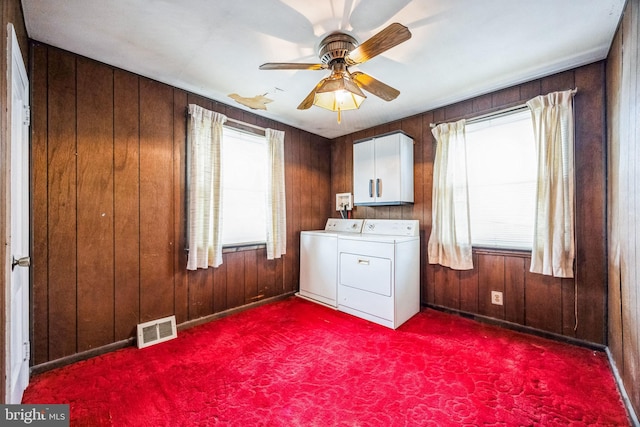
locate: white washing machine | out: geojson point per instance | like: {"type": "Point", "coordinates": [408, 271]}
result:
{"type": "Point", "coordinates": [379, 272]}
{"type": "Point", "coordinates": [319, 260]}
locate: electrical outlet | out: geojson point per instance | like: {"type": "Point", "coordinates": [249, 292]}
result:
{"type": "Point", "coordinates": [496, 297]}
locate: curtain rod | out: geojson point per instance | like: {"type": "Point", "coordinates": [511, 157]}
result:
{"type": "Point", "coordinates": [239, 123]}
{"type": "Point", "coordinates": [496, 114]}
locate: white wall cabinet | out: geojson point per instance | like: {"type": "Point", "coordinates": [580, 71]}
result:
{"type": "Point", "coordinates": [383, 170]}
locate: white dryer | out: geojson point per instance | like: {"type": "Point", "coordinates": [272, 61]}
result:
{"type": "Point", "coordinates": [319, 260]}
{"type": "Point", "coordinates": [379, 272]}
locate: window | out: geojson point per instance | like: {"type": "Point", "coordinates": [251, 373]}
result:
{"type": "Point", "coordinates": [244, 156]}
{"type": "Point", "coordinates": [501, 170]}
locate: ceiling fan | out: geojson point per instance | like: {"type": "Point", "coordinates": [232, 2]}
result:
{"type": "Point", "coordinates": [338, 51]}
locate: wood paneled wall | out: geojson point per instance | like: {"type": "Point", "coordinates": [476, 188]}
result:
{"type": "Point", "coordinates": [531, 300]}
{"type": "Point", "coordinates": [623, 105]}
{"type": "Point", "coordinates": [10, 12]}
{"type": "Point", "coordinates": [108, 208]}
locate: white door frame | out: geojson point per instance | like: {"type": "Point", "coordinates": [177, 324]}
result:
{"type": "Point", "coordinates": [17, 288]}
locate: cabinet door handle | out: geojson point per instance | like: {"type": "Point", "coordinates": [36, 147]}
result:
{"type": "Point", "coordinates": [363, 261]}
{"type": "Point", "coordinates": [370, 188]}
{"type": "Point", "coordinates": [378, 187]}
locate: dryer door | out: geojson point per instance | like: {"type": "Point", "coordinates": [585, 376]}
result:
{"type": "Point", "coordinates": [367, 273]}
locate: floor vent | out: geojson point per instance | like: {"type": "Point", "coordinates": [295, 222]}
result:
{"type": "Point", "coordinates": [156, 331]}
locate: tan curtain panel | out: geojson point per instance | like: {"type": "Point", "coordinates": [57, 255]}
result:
{"type": "Point", "coordinates": [553, 240]}
{"type": "Point", "coordinates": [204, 139]}
{"type": "Point", "coordinates": [450, 240]}
{"type": "Point", "coordinates": [276, 200]}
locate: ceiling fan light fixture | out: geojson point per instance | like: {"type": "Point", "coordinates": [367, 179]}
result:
{"type": "Point", "coordinates": [342, 90]}
{"type": "Point", "coordinates": [338, 94]}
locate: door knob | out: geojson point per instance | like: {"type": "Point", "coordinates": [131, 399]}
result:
{"type": "Point", "coordinates": [25, 261]}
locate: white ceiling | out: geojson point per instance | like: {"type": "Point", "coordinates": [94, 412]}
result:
{"type": "Point", "coordinates": [459, 48]}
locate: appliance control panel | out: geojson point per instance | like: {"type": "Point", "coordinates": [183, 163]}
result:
{"type": "Point", "coordinates": [344, 225]}
{"type": "Point", "coordinates": [392, 227]}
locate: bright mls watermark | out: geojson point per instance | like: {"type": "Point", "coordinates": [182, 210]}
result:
{"type": "Point", "coordinates": [34, 415]}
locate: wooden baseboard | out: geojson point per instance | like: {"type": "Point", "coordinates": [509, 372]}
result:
{"type": "Point", "coordinates": [519, 328]}
{"type": "Point", "coordinates": [623, 392]}
{"type": "Point", "coordinates": [67, 360]}
{"type": "Point", "coordinates": [209, 318]}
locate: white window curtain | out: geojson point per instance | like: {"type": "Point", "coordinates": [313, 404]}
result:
{"type": "Point", "coordinates": [276, 201]}
{"type": "Point", "coordinates": [205, 188]}
{"type": "Point", "coordinates": [450, 240]}
{"type": "Point", "coordinates": [553, 239]}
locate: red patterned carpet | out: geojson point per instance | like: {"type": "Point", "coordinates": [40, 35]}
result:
{"type": "Point", "coordinates": [294, 363]}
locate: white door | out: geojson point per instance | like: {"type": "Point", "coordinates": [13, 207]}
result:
{"type": "Point", "coordinates": [17, 326]}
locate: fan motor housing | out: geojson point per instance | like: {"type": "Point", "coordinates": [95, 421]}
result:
{"type": "Point", "coordinates": [336, 46]}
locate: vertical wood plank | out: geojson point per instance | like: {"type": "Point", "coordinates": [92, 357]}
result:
{"type": "Point", "coordinates": [490, 278]}
{"type": "Point", "coordinates": [95, 214]}
{"type": "Point", "coordinates": [306, 183]}
{"type": "Point", "coordinates": [235, 279]}
{"type": "Point", "coordinates": [294, 223]}
{"type": "Point", "coordinates": [126, 205]}
{"type": "Point", "coordinates": [348, 165]}
{"type": "Point", "coordinates": [156, 201]}
{"type": "Point", "coordinates": [447, 289]}
{"type": "Point", "coordinates": [251, 277]}
{"type": "Point", "coordinates": [629, 182]}
{"type": "Point", "coordinates": [428, 155]}
{"type": "Point", "coordinates": [451, 296]}
{"type": "Point", "coordinates": [338, 167]}
{"type": "Point", "coordinates": [469, 288]}
{"type": "Point", "coordinates": [279, 276]}
{"type": "Point", "coordinates": [514, 289]}
{"type": "Point", "coordinates": [39, 205]}
{"type": "Point", "coordinates": [590, 209]}
{"type": "Point", "coordinates": [543, 297]}
{"type": "Point", "coordinates": [266, 274]}
{"type": "Point", "coordinates": [251, 289]}
{"type": "Point", "coordinates": [200, 293]}
{"type": "Point", "coordinates": [62, 204]}
{"type": "Point", "coordinates": [633, 375]}
{"type": "Point", "coordinates": [569, 301]}
{"type": "Point", "coordinates": [181, 283]}
{"type": "Point", "coordinates": [614, 157]}
{"type": "Point", "coordinates": [318, 204]}
{"type": "Point", "coordinates": [220, 287]}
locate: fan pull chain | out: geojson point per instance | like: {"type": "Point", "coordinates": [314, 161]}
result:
{"type": "Point", "coordinates": [339, 115]}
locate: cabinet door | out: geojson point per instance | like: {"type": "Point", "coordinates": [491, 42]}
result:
{"type": "Point", "coordinates": [387, 169]}
{"type": "Point", "coordinates": [363, 172]}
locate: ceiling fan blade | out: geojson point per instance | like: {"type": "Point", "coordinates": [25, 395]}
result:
{"type": "Point", "coordinates": [391, 36]}
{"type": "Point", "coordinates": [374, 86]}
{"type": "Point", "coordinates": [308, 101]}
{"type": "Point", "coordinates": [291, 66]}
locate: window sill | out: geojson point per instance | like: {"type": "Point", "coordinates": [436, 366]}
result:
{"type": "Point", "coordinates": [243, 247]}
{"type": "Point", "coordinates": [521, 253]}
